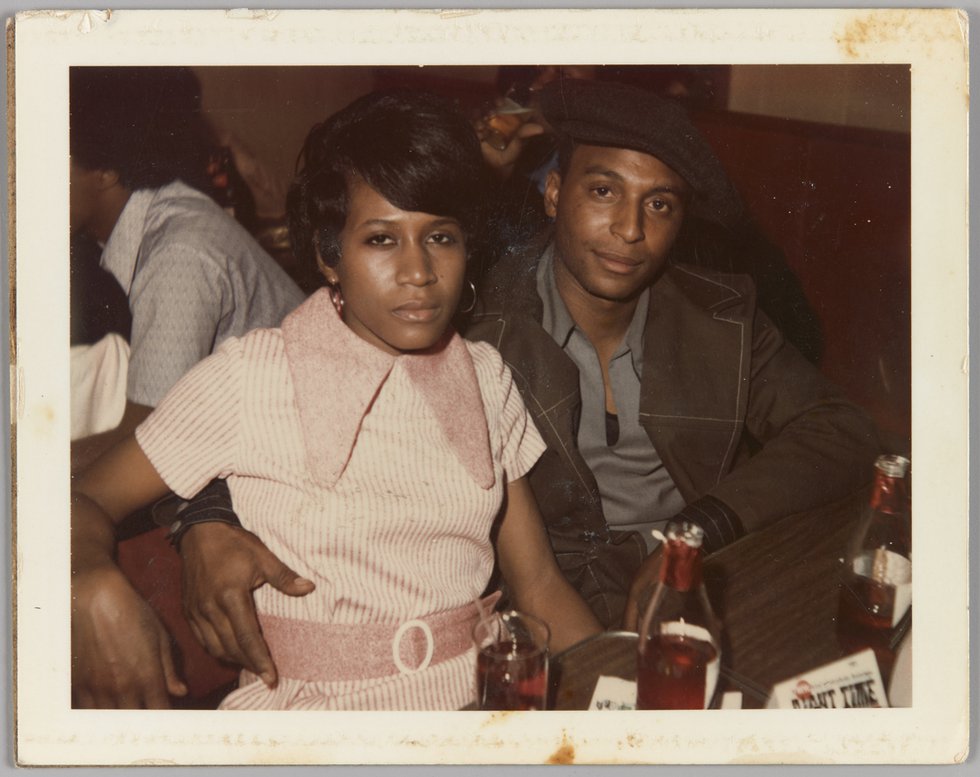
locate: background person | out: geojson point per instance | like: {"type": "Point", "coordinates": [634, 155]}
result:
{"type": "Point", "coordinates": [191, 274]}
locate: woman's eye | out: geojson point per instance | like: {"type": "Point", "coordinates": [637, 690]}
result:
{"type": "Point", "coordinates": [379, 240]}
{"type": "Point", "coordinates": [443, 238]}
{"type": "Point", "coordinates": [659, 205]}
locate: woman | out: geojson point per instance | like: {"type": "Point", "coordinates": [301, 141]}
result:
{"type": "Point", "coordinates": [365, 442]}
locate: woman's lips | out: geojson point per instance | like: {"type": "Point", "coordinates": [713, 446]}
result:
{"type": "Point", "coordinates": [417, 312]}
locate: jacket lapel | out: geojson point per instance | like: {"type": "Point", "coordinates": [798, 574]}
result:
{"type": "Point", "coordinates": [509, 318]}
{"type": "Point", "coordinates": [695, 377]}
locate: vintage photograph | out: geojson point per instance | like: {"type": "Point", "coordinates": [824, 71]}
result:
{"type": "Point", "coordinates": [449, 398]}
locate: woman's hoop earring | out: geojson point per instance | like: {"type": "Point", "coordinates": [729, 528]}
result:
{"type": "Point", "coordinates": [337, 299]}
{"type": "Point", "coordinates": [472, 305]}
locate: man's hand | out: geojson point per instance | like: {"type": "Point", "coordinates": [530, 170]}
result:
{"type": "Point", "coordinates": [120, 652]}
{"type": "Point", "coordinates": [222, 565]}
{"type": "Point", "coordinates": [642, 588]}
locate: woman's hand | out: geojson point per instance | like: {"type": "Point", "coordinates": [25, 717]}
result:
{"type": "Point", "coordinates": [641, 589]}
{"type": "Point", "coordinates": [120, 652]}
{"type": "Point", "coordinates": [222, 565]}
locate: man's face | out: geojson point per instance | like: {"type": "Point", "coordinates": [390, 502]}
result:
{"type": "Point", "coordinates": [617, 213]}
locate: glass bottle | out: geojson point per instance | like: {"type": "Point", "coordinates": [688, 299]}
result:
{"type": "Point", "coordinates": [876, 582]}
{"type": "Point", "coordinates": [679, 649]}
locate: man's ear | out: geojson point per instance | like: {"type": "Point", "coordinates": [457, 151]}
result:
{"type": "Point", "coordinates": [107, 179]}
{"type": "Point", "coordinates": [551, 188]}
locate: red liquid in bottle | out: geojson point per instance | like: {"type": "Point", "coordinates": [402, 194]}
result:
{"type": "Point", "coordinates": [864, 619]}
{"type": "Point", "coordinates": [511, 677]}
{"type": "Point", "coordinates": [671, 673]}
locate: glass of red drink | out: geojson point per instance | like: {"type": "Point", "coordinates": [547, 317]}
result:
{"type": "Point", "coordinates": [511, 661]}
{"type": "Point", "coordinates": [677, 670]}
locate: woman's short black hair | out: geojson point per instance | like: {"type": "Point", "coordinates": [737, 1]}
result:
{"type": "Point", "coordinates": [414, 148]}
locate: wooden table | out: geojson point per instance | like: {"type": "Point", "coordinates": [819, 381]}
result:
{"type": "Point", "coordinates": [776, 593]}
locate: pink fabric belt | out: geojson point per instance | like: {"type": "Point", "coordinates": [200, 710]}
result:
{"type": "Point", "coordinates": [328, 652]}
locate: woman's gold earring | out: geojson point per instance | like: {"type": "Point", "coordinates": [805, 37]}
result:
{"type": "Point", "coordinates": [337, 298]}
{"type": "Point", "coordinates": [472, 305]}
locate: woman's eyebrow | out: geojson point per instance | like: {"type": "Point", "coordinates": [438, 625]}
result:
{"type": "Point", "coordinates": [380, 222]}
{"type": "Point", "coordinates": [446, 221]}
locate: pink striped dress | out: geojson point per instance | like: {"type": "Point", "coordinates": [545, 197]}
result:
{"type": "Point", "coordinates": [376, 477]}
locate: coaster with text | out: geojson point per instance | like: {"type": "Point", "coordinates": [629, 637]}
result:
{"type": "Point", "coordinates": [851, 682]}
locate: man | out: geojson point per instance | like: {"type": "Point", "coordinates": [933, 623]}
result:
{"type": "Point", "coordinates": [660, 390]}
{"type": "Point", "coordinates": [192, 275]}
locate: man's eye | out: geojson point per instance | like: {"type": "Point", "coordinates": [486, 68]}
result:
{"type": "Point", "coordinates": [601, 191]}
{"type": "Point", "coordinates": [659, 205]}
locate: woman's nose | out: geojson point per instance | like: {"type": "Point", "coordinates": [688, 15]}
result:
{"type": "Point", "coordinates": [415, 267]}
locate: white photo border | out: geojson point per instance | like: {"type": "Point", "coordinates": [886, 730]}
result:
{"type": "Point", "coordinates": [46, 44]}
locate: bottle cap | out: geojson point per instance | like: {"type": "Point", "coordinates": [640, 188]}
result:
{"type": "Point", "coordinates": [892, 465]}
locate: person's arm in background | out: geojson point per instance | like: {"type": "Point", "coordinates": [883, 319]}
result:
{"type": "Point", "coordinates": [502, 160]}
{"type": "Point", "coordinates": [120, 652]}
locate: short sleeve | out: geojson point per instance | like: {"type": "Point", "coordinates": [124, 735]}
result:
{"type": "Point", "coordinates": [193, 435]}
{"type": "Point", "coordinates": [520, 443]}
{"type": "Point", "coordinates": [177, 303]}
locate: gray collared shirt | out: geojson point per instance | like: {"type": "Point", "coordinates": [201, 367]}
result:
{"type": "Point", "coordinates": [194, 277]}
{"type": "Point", "coordinates": [637, 491]}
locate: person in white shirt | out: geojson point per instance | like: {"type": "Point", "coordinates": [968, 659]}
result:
{"type": "Point", "coordinates": [193, 276]}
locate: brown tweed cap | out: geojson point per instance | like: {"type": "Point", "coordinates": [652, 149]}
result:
{"type": "Point", "coordinates": [609, 114]}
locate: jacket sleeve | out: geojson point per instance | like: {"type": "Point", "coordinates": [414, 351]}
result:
{"type": "Point", "coordinates": [813, 445]}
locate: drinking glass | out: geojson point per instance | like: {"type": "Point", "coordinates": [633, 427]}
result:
{"type": "Point", "coordinates": [512, 661]}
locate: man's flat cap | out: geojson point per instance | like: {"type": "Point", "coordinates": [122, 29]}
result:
{"type": "Point", "coordinates": [609, 114]}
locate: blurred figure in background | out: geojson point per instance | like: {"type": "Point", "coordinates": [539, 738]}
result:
{"type": "Point", "coordinates": [191, 274]}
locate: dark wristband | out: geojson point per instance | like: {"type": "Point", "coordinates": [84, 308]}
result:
{"type": "Point", "coordinates": [720, 523]}
{"type": "Point", "coordinates": [211, 505]}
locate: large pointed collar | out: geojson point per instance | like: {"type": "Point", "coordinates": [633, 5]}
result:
{"type": "Point", "coordinates": [337, 376]}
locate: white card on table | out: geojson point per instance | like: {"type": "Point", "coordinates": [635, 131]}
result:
{"type": "Point", "coordinates": [850, 682]}
{"type": "Point", "coordinates": [613, 693]}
